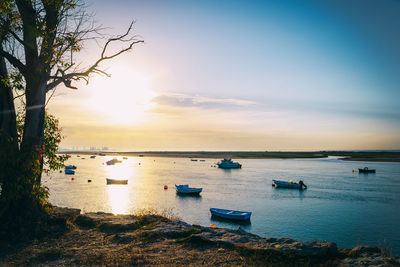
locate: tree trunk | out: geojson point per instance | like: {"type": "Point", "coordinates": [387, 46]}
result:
{"type": "Point", "coordinates": [33, 137]}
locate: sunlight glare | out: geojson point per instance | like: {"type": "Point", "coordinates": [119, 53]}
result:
{"type": "Point", "coordinates": [123, 98]}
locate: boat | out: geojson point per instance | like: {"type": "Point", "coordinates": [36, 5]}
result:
{"type": "Point", "coordinates": [70, 167]}
{"type": "Point", "coordinates": [366, 170]}
{"type": "Point", "coordinates": [202, 160]}
{"type": "Point", "coordinates": [228, 164]}
{"type": "Point", "coordinates": [102, 154]}
{"type": "Point", "coordinates": [185, 189]}
{"type": "Point", "coordinates": [92, 157]}
{"type": "Point", "coordinates": [69, 171]}
{"type": "Point", "coordinates": [113, 161]}
{"type": "Point", "coordinates": [116, 181]}
{"type": "Point", "coordinates": [290, 184]}
{"type": "Point", "coordinates": [231, 214]}
{"type": "Point", "coordinates": [124, 158]}
{"type": "Point", "coordinates": [193, 159]}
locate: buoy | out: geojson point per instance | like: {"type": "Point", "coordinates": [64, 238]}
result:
{"type": "Point", "coordinates": [290, 181]}
{"type": "Point", "coordinates": [60, 171]}
{"type": "Point", "coordinates": [89, 181]}
{"type": "Point", "coordinates": [139, 163]}
{"type": "Point", "coordinates": [353, 170]}
{"type": "Point", "coordinates": [165, 186]}
{"type": "Point", "coordinates": [72, 178]}
{"type": "Point", "coordinates": [213, 226]}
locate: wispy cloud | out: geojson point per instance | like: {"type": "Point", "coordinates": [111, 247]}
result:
{"type": "Point", "coordinates": [182, 100]}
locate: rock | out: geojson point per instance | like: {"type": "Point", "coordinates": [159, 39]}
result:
{"type": "Point", "coordinates": [360, 250]}
{"type": "Point", "coordinates": [124, 238]}
{"type": "Point", "coordinates": [67, 213]}
{"type": "Point", "coordinates": [115, 227]}
{"type": "Point", "coordinates": [86, 221]}
{"type": "Point", "coordinates": [170, 229]}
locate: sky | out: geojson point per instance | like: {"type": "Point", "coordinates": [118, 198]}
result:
{"type": "Point", "coordinates": [241, 75]}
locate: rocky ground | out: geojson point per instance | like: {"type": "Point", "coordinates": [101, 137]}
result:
{"type": "Point", "coordinates": [102, 239]}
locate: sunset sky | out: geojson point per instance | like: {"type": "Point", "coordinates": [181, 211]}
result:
{"type": "Point", "coordinates": [242, 75]}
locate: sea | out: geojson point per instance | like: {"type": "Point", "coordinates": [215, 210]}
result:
{"type": "Point", "coordinates": [340, 204]}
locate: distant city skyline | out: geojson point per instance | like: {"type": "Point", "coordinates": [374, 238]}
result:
{"type": "Point", "coordinates": [242, 75]}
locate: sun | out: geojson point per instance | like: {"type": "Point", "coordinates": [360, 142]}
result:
{"type": "Point", "coordinates": [124, 98]}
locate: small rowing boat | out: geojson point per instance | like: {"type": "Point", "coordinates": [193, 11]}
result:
{"type": "Point", "coordinates": [69, 171]}
{"type": "Point", "coordinates": [290, 184]}
{"type": "Point", "coordinates": [185, 189]}
{"type": "Point", "coordinates": [231, 214]}
{"type": "Point", "coordinates": [366, 170]}
{"type": "Point", "coordinates": [116, 181]}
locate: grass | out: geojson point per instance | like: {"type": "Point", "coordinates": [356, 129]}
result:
{"type": "Point", "coordinates": [386, 248]}
{"type": "Point", "coordinates": [48, 255]}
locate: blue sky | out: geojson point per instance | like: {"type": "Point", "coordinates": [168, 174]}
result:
{"type": "Point", "coordinates": [249, 75]}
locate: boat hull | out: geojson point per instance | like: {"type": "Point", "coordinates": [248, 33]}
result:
{"type": "Point", "coordinates": [115, 181]}
{"type": "Point", "coordinates": [284, 184]}
{"type": "Point", "coordinates": [186, 190]}
{"type": "Point", "coordinates": [231, 214]}
{"type": "Point", "coordinates": [229, 167]}
{"type": "Point", "coordinates": [366, 170]}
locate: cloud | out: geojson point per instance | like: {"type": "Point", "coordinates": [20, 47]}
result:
{"type": "Point", "coordinates": [182, 100]}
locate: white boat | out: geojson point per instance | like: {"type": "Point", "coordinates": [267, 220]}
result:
{"type": "Point", "coordinates": [228, 164]}
{"type": "Point", "coordinates": [290, 184]}
{"type": "Point", "coordinates": [185, 189]}
{"type": "Point", "coordinates": [116, 181]}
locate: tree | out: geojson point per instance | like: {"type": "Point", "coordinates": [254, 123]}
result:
{"type": "Point", "coordinates": [38, 41]}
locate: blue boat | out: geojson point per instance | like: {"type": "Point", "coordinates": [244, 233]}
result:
{"type": "Point", "coordinates": [231, 214]}
{"type": "Point", "coordinates": [70, 167]}
{"type": "Point", "coordinates": [69, 171]}
{"type": "Point", "coordinates": [185, 189]}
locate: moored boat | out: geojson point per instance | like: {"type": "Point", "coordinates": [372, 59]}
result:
{"type": "Point", "coordinates": [290, 184]}
{"type": "Point", "coordinates": [116, 181]}
{"type": "Point", "coordinates": [228, 164]}
{"type": "Point", "coordinates": [366, 170]}
{"type": "Point", "coordinates": [231, 214]}
{"type": "Point", "coordinates": [113, 161]}
{"type": "Point", "coordinates": [185, 189]}
{"type": "Point", "coordinates": [70, 167]}
{"type": "Point", "coordinates": [69, 171]}
{"type": "Point", "coordinates": [92, 157]}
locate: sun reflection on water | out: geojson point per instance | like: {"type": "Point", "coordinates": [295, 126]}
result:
{"type": "Point", "coordinates": [119, 195]}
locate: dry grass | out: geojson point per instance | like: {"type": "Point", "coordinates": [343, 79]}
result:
{"type": "Point", "coordinates": [144, 246]}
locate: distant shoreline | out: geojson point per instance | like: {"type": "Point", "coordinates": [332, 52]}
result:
{"type": "Point", "coordinates": [349, 156]}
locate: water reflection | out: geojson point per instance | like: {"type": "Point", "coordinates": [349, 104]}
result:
{"type": "Point", "coordinates": [119, 195]}
{"type": "Point", "coordinates": [118, 198]}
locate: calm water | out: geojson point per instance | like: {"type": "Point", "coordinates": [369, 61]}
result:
{"type": "Point", "coordinates": [339, 205]}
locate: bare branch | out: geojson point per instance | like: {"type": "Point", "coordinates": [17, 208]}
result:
{"type": "Point", "coordinates": [61, 77]}
{"type": "Point", "coordinates": [14, 61]}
